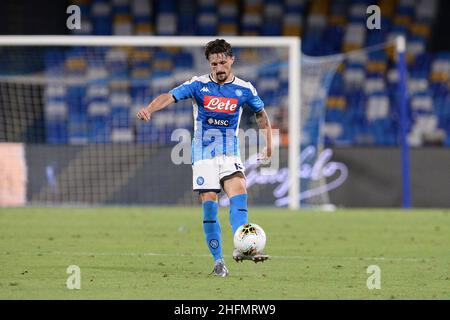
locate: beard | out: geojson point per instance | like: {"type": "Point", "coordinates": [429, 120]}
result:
{"type": "Point", "coordinates": [221, 76]}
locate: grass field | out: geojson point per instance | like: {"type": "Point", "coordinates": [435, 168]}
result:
{"type": "Point", "coordinates": [159, 253]}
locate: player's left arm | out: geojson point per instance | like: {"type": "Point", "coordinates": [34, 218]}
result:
{"type": "Point", "coordinates": [257, 105]}
{"type": "Point", "coordinates": [263, 122]}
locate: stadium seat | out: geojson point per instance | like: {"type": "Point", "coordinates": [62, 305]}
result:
{"type": "Point", "coordinates": [362, 94]}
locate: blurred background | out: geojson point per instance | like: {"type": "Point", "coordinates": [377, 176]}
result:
{"type": "Point", "coordinates": [68, 133]}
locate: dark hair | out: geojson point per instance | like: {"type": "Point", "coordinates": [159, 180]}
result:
{"type": "Point", "coordinates": [218, 46]}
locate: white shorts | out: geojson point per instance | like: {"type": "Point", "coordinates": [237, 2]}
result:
{"type": "Point", "coordinates": [207, 174]}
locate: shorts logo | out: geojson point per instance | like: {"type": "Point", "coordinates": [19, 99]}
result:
{"type": "Point", "coordinates": [218, 122]}
{"type": "Point", "coordinates": [219, 104]}
{"type": "Point", "coordinates": [214, 244]}
{"type": "Point", "coordinates": [200, 181]}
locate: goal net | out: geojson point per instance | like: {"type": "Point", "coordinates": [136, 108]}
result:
{"type": "Point", "coordinates": [69, 134]}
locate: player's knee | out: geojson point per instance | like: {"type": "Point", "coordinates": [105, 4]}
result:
{"type": "Point", "coordinates": [208, 196]}
{"type": "Point", "coordinates": [239, 189]}
{"type": "Point", "coordinates": [235, 186]}
{"type": "Point", "coordinates": [242, 186]}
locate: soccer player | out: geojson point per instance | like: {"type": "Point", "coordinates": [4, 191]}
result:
{"type": "Point", "coordinates": [218, 99]}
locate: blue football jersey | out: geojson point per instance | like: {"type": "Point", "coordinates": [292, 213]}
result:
{"type": "Point", "coordinates": [217, 111]}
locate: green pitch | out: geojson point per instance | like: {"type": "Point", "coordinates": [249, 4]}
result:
{"type": "Point", "coordinates": [159, 253]}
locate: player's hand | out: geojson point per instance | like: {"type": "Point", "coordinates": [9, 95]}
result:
{"type": "Point", "coordinates": [265, 154]}
{"type": "Point", "coordinates": [144, 114]}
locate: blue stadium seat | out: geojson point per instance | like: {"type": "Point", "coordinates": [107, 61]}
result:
{"type": "Point", "coordinates": [56, 132]}
{"type": "Point", "coordinates": [187, 20]}
{"type": "Point", "coordinates": [183, 60]}
{"type": "Point", "coordinates": [99, 130]}
{"type": "Point", "coordinates": [324, 30]}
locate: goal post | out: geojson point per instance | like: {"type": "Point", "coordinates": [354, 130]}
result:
{"type": "Point", "coordinates": [291, 44]}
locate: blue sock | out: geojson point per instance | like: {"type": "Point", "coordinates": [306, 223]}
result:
{"type": "Point", "coordinates": [238, 211]}
{"type": "Point", "coordinates": [211, 227]}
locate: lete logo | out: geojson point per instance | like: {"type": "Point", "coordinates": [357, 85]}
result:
{"type": "Point", "coordinates": [219, 104]}
{"type": "Point", "coordinates": [312, 169]}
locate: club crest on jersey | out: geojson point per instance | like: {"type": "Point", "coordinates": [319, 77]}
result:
{"type": "Point", "coordinates": [220, 104]}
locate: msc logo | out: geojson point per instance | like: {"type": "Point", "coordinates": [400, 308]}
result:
{"type": "Point", "coordinates": [218, 122]}
{"type": "Point", "coordinates": [219, 104]}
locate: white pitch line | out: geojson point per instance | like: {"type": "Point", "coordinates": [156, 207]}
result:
{"type": "Point", "coordinates": [156, 254]}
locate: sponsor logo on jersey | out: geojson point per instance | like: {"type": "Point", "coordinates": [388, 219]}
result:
{"type": "Point", "coordinates": [204, 89]}
{"type": "Point", "coordinates": [220, 104]}
{"type": "Point", "coordinates": [218, 122]}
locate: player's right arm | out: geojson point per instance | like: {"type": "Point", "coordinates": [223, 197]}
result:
{"type": "Point", "coordinates": [160, 102]}
{"type": "Point", "coordinates": [181, 92]}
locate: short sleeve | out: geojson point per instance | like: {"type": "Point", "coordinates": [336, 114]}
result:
{"type": "Point", "coordinates": [184, 91]}
{"type": "Point", "coordinates": [253, 100]}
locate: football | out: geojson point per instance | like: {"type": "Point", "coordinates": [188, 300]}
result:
{"type": "Point", "coordinates": [249, 239]}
